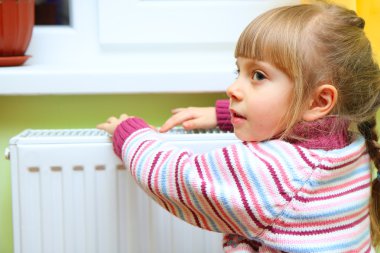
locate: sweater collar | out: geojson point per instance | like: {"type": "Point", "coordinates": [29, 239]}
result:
{"type": "Point", "coordinates": [327, 134]}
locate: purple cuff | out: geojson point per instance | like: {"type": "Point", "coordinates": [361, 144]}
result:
{"type": "Point", "coordinates": [223, 116]}
{"type": "Point", "coordinates": [124, 130]}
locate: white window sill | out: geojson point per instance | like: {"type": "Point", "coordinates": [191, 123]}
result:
{"type": "Point", "coordinates": [35, 79]}
{"type": "Point", "coordinates": [63, 62]}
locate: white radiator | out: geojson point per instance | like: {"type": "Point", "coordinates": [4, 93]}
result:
{"type": "Point", "coordinates": [71, 194]}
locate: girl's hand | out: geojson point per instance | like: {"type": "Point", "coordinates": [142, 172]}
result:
{"type": "Point", "coordinates": [111, 123]}
{"type": "Point", "coordinates": [191, 118]}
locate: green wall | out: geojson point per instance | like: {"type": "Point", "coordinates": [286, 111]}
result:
{"type": "Point", "coordinates": [42, 112]}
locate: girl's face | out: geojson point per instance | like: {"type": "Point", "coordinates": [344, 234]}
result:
{"type": "Point", "coordinates": [259, 100]}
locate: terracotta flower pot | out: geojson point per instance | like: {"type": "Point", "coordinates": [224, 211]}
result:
{"type": "Point", "coordinates": [16, 26]}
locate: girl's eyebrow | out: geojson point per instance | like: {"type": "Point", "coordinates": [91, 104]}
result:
{"type": "Point", "coordinates": [259, 63]}
{"type": "Point", "coordinates": [262, 65]}
{"type": "Point", "coordinates": [252, 62]}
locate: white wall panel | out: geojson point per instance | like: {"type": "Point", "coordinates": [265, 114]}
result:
{"type": "Point", "coordinates": [137, 21]}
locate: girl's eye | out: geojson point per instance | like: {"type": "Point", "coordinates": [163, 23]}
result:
{"type": "Point", "coordinates": [258, 76]}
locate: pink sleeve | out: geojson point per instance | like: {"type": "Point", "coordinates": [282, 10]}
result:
{"type": "Point", "coordinates": [223, 116]}
{"type": "Point", "coordinates": [124, 130]}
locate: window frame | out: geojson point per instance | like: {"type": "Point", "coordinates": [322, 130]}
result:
{"type": "Point", "coordinates": [76, 59]}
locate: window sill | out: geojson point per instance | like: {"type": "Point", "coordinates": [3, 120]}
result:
{"type": "Point", "coordinates": [35, 79]}
{"type": "Point", "coordinates": [71, 60]}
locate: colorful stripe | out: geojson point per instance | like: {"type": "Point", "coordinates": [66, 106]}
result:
{"type": "Point", "coordinates": [271, 196]}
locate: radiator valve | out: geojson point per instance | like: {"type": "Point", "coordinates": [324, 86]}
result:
{"type": "Point", "coordinates": [7, 154]}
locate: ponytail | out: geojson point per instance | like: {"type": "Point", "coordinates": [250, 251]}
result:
{"type": "Point", "coordinates": [368, 130]}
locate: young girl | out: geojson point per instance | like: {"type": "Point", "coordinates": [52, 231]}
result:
{"type": "Point", "coordinates": [299, 181]}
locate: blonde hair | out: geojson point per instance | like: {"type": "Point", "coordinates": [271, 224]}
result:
{"type": "Point", "coordinates": [316, 44]}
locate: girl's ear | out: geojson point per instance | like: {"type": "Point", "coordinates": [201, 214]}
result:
{"type": "Point", "coordinates": [321, 103]}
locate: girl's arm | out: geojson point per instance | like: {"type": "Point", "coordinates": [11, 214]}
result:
{"type": "Point", "coordinates": [220, 191]}
{"type": "Point", "coordinates": [200, 117]}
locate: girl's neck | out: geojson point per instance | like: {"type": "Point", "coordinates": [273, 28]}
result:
{"type": "Point", "coordinates": [327, 133]}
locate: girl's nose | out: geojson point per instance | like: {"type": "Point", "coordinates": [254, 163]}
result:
{"type": "Point", "coordinates": [234, 91]}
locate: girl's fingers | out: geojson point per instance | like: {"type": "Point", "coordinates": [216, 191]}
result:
{"type": "Point", "coordinates": [124, 117]}
{"type": "Point", "coordinates": [100, 126]}
{"type": "Point", "coordinates": [111, 119]}
{"type": "Point", "coordinates": [192, 124]}
{"type": "Point", "coordinates": [177, 110]}
{"type": "Point", "coordinates": [175, 120]}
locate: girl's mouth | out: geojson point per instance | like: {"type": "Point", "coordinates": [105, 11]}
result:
{"type": "Point", "coordinates": [236, 118]}
{"type": "Point", "coordinates": [237, 115]}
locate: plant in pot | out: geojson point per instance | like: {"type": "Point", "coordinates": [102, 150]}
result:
{"type": "Point", "coordinates": [16, 26]}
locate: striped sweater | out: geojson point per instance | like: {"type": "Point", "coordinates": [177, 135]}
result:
{"type": "Point", "coordinates": [273, 196]}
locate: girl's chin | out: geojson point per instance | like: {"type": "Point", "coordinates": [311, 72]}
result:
{"type": "Point", "coordinates": [245, 136]}
{"type": "Point", "coordinates": [242, 135]}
